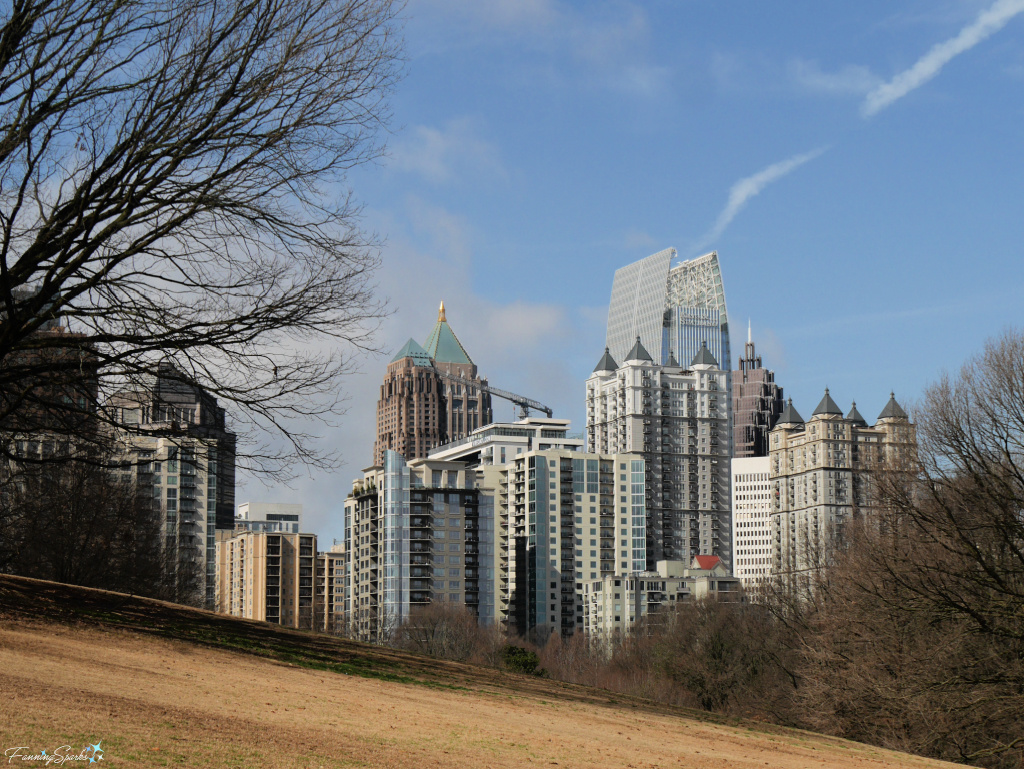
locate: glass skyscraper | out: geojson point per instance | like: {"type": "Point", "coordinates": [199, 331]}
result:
{"type": "Point", "coordinates": [672, 309]}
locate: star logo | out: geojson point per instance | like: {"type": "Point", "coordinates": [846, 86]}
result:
{"type": "Point", "coordinates": [96, 752]}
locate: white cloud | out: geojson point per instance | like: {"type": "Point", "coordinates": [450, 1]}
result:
{"type": "Point", "coordinates": [748, 187]}
{"type": "Point", "coordinates": [852, 79]}
{"type": "Point", "coordinates": [441, 155]}
{"type": "Point", "coordinates": [988, 22]}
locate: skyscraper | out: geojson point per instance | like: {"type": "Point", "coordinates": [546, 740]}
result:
{"type": "Point", "coordinates": [756, 404]}
{"type": "Point", "coordinates": [676, 419]}
{"type": "Point", "coordinates": [674, 310]}
{"type": "Point", "coordinates": [431, 395]}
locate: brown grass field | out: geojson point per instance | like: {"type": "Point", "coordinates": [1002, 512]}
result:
{"type": "Point", "coordinates": [162, 685]}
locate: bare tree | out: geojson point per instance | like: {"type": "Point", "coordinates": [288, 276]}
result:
{"type": "Point", "coordinates": [172, 189]}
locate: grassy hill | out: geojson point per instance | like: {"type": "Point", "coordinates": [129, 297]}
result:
{"type": "Point", "coordinates": [158, 684]}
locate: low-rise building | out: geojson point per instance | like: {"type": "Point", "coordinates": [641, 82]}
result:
{"type": "Point", "coordinates": [616, 603]}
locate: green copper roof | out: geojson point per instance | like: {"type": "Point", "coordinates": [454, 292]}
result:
{"type": "Point", "coordinates": [411, 349]}
{"type": "Point", "coordinates": [442, 345]}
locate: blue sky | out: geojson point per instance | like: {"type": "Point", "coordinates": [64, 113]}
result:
{"type": "Point", "coordinates": [857, 166]}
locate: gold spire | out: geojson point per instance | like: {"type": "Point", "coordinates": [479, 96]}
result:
{"type": "Point", "coordinates": [440, 314]}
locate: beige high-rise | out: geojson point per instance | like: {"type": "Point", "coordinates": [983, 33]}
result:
{"type": "Point", "coordinates": [821, 477]}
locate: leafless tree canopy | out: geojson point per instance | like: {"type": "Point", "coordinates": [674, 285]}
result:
{"type": "Point", "coordinates": [172, 185]}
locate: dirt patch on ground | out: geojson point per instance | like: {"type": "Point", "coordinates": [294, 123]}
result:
{"type": "Point", "coordinates": [154, 701]}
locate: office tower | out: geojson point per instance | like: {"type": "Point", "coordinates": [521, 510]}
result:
{"type": "Point", "coordinates": [174, 436]}
{"type": "Point", "coordinates": [270, 577]}
{"type": "Point", "coordinates": [431, 395]}
{"type": "Point", "coordinates": [674, 310]}
{"type": "Point", "coordinates": [756, 404]}
{"type": "Point", "coordinates": [677, 420]}
{"type": "Point", "coordinates": [417, 533]}
{"type": "Point", "coordinates": [752, 543]}
{"type": "Point", "coordinates": [821, 477]}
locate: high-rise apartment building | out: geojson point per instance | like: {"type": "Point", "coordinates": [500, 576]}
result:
{"type": "Point", "coordinates": [417, 532]}
{"type": "Point", "coordinates": [270, 577]}
{"type": "Point", "coordinates": [571, 517]}
{"type": "Point", "coordinates": [756, 404]}
{"type": "Point", "coordinates": [674, 310]}
{"type": "Point", "coordinates": [174, 437]}
{"type": "Point", "coordinates": [676, 418]}
{"type": "Point", "coordinates": [821, 477]}
{"type": "Point", "coordinates": [432, 394]}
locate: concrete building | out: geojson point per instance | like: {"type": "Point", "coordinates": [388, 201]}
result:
{"type": "Point", "coordinates": [752, 541]}
{"type": "Point", "coordinates": [756, 404]}
{"type": "Point", "coordinates": [431, 395]}
{"type": "Point", "coordinates": [677, 419]}
{"type": "Point", "coordinates": [821, 477]}
{"type": "Point", "coordinates": [614, 604]}
{"type": "Point", "coordinates": [417, 532]}
{"type": "Point", "coordinates": [269, 516]}
{"type": "Point", "coordinates": [173, 435]}
{"type": "Point", "coordinates": [269, 577]}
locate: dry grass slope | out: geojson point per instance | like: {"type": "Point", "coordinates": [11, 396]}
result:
{"type": "Point", "coordinates": [164, 685]}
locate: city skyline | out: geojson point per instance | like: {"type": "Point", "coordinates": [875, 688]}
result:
{"type": "Point", "coordinates": [860, 246]}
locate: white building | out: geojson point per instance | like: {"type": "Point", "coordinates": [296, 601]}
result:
{"type": "Point", "coordinates": [752, 543]}
{"type": "Point", "coordinates": [269, 516]}
{"type": "Point", "coordinates": [615, 603]}
{"type": "Point", "coordinates": [677, 419]}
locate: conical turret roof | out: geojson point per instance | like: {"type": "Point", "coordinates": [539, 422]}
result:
{"type": "Point", "coordinates": [442, 345]}
{"type": "Point", "coordinates": [827, 406]}
{"type": "Point", "coordinates": [892, 409]}
{"type": "Point", "coordinates": [671, 359]}
{"type": "Point", "coordinates": [790, 415]}
{"type": "Point", "coordinates": [639, 352]}
{"type": "Point", "coordinates": [411, 349]}
{"type": "Point", "coordinates": [855, 416]}
{"type": "Point", "coordinates": [607, 362]}
{"type": "Point", "coordinates": [704, 357]}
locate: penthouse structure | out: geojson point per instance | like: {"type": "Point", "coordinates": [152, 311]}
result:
{"type": "Point", "coordinates": [432, 394]}
{"type": "Point", "coordinates": [676, 418]}
{"type": "Point", "coordinates": [821, 477]}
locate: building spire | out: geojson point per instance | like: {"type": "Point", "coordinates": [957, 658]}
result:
{"type": "Point", "coordinates": [440, 313]}
{"type": "Point", "coordinates": [749, 337]}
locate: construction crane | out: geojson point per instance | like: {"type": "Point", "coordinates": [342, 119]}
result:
{"type": "Point", "coordinates": [524, 403]}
